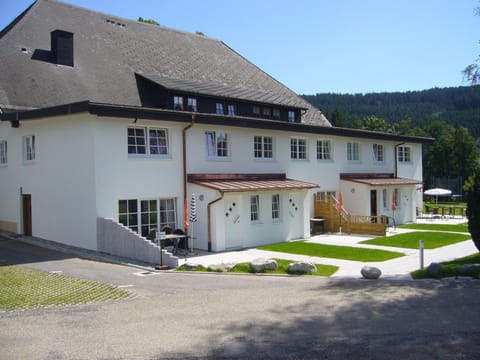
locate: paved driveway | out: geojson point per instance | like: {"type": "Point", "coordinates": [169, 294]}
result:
{"type": "Point", "coordinates": [236, 316]}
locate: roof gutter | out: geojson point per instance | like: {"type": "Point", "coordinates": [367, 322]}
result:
{"type": "Point", "coordinates": [185, 201]}
{"type": "Point", "coordinates": [127, 111]}
{"type": "Point", "coordinates": [209, 219]}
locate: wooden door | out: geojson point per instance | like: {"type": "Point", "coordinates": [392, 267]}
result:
{"type": "Point", "coordinates": [27, 214]}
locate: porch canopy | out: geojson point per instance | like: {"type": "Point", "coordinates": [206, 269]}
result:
{"type": "Point", "coordinates": [248, 182]}
{"type": "Point", "coordinates": [378, 179]}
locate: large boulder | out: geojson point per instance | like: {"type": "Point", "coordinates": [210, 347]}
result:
{"type": "Point", "coordinates": [301, 267]}
{"type": "Point", "coordinates": [190, 266]}
{"type": "Point", "coordinates": [221, 267]}
{"type": "Point", "coordinates": [370, 272]}
{"type": "Point", "coordinates": [434, 269]}
{"type": "Point", "coordinates": [468, 268]}
{"type": "Point", "coordinates": [260, 265]}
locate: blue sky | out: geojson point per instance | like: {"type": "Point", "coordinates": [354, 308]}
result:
{"type": "Point", "coordinates": [316, 46]}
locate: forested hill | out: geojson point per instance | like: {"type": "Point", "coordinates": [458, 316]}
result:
{"type": "Point", "coordinates": [458, 106]}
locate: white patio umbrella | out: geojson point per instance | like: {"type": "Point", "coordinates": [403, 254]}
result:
{"type": "Point", "coordinates": [437, 192]}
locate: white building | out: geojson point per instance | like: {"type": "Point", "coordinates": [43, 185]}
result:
{"type": "Point", "coordinates": [106, 118]}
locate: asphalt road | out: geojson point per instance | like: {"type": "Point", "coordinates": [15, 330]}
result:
{"type": "Point", "coordinates": [181, 316]}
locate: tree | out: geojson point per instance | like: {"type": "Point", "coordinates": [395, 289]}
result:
{"type": "Point", "coordinates": [374, 123]}
{"type": "Point", "coordinates": [337, 118]}
{"type": "Point", "coordinates": [148, 21]}
{"type": "Point", "coordinates": [472, 72]}
{"type": "Point", "coordinates": [472, 186]}
{"type": "Point", "coordinates": [453, 153]}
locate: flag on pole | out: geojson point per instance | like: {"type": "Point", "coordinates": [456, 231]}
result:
{"type": "Point", "coordinates": [340, 202]}
{"type": "Point", "coordinates": [394, 202]}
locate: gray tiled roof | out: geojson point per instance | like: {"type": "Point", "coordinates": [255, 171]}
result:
{"type": "Point", "coordinates": [109, 51]}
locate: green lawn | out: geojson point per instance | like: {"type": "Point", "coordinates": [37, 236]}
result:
{"type": "Point", "coordinates": [22, 288]}
{"type": "Point", "coordinates": [322, 270]}
{"type": "Point", "coordinates": [332, 251]}
{"type": "Point", "coordinates": [450, 268]}
{"type": "Point", "coordinates": [437, 227]}
{"type": "Point", "coordinates": [432, 240]}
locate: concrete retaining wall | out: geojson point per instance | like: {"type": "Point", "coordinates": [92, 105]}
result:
{"type": "Point", "coordinates": [116, 239]}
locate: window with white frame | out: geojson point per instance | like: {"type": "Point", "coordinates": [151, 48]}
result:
{"type": "Point", "coordinates": [396, 194]}
{"type": "Point", "coordinates": [324, 149]}
{"type": "Point", "coordinates": [29, 148]}
{"type": "Point", "coordinates": [291, 116]}
{"type": "Point", "coordinates": [168, 213]}
{"type": "Point", "coordinates": [404, 154]}
{"type": "Point", "coordinates": [298, 149]}
{"type": "Point", "coordinates": [217, 144]}
{"type": "Point", "coordinates": [324, 196]}
{"type": "Point", "coordinates": [231, 109]}
{"type": "Point", "coordinates": [178, 102]}
{"type": "Point", "coordinates": [148, 216]}
{"type": "Point", "coordinates": [276, 206]}
{"type": "Point", "coordinates": [263, 147]}
{"type": "Point", "coordinates": [3, 152]}
{"type": "Point", "coordinates": [128, 213]}
{"type": "Point", "coordinates": [353, 151]}
{"type": "Point", "coordinates": [143, 216]}
{"type": "Point", "coordinates": [191, 104]}
{"type": "Point", "coordinates": [254, 208]}
{"type": "Point", "coordinates": [384, 198]}
{"type": "Point", "coordinates": [219, 108]}
{"type": "Point", "coordinates": [378, 153]}
{"type": "Point", "coordinates": [147, 141]}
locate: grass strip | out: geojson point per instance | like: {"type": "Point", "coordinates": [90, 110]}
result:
{"type": "Point", "coordinates": [450, 269]}
{"type": "Point", "coordinates": [23, 288]}
{"type": "Point", "coordinates": [332, 251]}
{"type": "Point", "coordinates": [437, 227]}
{"type": "Point", "coordinates": [322, 270]}
{"type": "Point", "coordinates": [432, 240]}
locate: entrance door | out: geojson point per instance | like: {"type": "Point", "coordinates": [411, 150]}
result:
{"type": "Point", "coordinates": [233, 228]}
{"type": "Point", "coordinates": [373, 202]}
{"type": "Point", "coordinates": [27, 214]}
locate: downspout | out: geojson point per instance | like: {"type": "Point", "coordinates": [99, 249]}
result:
{"type": "Point", "coordinates": [209, 219]}
{"type": "Point", "coordinates": [185, 200]}
{"type": "Point", "coordinates": [396, 159]}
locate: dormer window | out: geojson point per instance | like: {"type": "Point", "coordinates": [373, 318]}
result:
{"type": "Point", "coordinates": [291, 116]}
{"type": "Point", "coordinates": [178, 103]}
{"type": "Point", "coordinates": [256, 111]}
{"type": "Point", "coordinates": [231, 109]}
{"type": "Point", "coordinates": [191, 104]}
{"type": "Point", "coordinates": [276, 114]}
{"type": "Point", "coordinates": [219, 108]}
{"type": "Point", "coordinates": [266, 113]}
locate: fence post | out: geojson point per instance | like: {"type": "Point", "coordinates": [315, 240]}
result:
{"type": "Point", "coordinates": [421, 246]}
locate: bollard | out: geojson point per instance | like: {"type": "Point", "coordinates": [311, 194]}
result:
{"type": "Point", "coordinates": [421, 254]}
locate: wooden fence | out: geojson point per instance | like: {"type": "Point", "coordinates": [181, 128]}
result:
{"type": "Point", "coordinates": [342, 221]}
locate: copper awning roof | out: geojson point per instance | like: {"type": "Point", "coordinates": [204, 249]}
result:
{"type": "Point", "coordinates": [248, 182]}
{"type": "Point", "coordinates": [378, 179]}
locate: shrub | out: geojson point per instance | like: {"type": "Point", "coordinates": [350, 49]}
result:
{"type": "Point", "coordinates": [472, 186]}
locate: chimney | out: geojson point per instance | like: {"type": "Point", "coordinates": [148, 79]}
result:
{"type": "Point", "coordinates": [62, 47]}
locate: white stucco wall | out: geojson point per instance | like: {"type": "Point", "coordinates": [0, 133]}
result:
{"type": "Point", "coordinates": [120, 176]}
{"type": "Point", "coordinates": [60, 180]}
{"type": "Point", "coordinates": [82, 169]}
